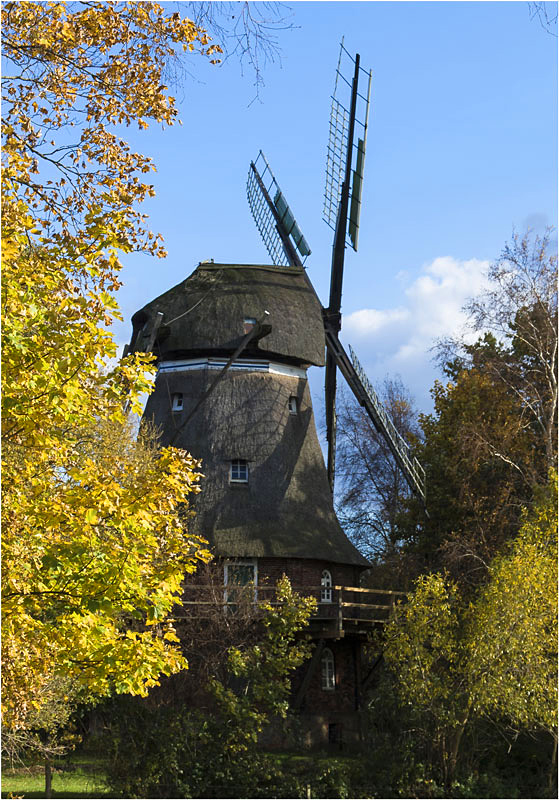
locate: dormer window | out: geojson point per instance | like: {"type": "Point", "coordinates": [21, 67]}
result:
{"type": "Point", "coordinates": [238, 472]}
{"type": "Point", "coordinates": [177, 402]}
{"type": "Point", "coordinates": [293, 405]}
{"type": "Point", "coordinates": [248, 324]}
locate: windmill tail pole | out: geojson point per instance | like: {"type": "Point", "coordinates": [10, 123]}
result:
{"type": "Point", "coordinates": [258, 330]}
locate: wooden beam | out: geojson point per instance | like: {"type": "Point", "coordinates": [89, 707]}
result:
{"type": "Point", "coordinates": [371, 673]}
{"type": "Point", "coordinates": [311, 669]}
{"type": "Point", "coordinates": [257, 332]}
{"type": "Point", "coordinates": [372, 591]}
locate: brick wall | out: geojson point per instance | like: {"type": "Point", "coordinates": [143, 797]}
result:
{"type": "Point", "coordinates": [330, 705]}
{"type": "Point", "coordinates": [323, 711]}
{"type": "Point", "coordinates": [305, 572]}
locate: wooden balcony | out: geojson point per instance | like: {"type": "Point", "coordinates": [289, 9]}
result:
{"type": "Point", "coordinates": [352, 610]}
{"type": "Point", "coordinates": [341, 610]}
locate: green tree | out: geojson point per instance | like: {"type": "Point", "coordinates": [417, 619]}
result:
{"type": "Point", "coordinates": [457, 658]}
{"type": "Point", "coordinates": [520, 309]}
{"type": "Point", "coordinates": [159, 750]}
{"type": "Point", "coordinates": [95, 549]}
{"type": "Point", "coordinates": [474, 495]}
{"type": "Point", "coordinates": [425, 649]}
{"type": "Point", "coordinates": [492, 437]}
{"type": "Point", "coordinates": [512, 635]}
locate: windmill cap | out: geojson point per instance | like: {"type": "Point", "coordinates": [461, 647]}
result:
{"type": "Point", "coordinates": [206, 312]}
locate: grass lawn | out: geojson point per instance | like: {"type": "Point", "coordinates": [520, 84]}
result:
{"type": "Point", "coordinates": [79, 775]}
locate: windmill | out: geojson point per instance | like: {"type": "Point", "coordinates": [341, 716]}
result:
{"type": "Point", "coordinates": [286, 244]}
{"type": "Point", "coordinates": [233, 344]}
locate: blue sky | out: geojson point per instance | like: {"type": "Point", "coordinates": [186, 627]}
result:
{"type": "Point", "coordinates": [462, 148]}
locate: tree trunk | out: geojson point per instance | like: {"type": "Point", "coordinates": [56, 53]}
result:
{"type": "Point", "coordinates": [552, 780]}
{"type": "Point", "coordinates": [451, 757]}
{"type": "Point", "coordinates": [455, 746]}
{"type": "Point", "coordinates": [48, 779]}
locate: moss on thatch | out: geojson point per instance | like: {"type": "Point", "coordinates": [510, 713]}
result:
{"type": "Point", "coordinates": [205, 314]}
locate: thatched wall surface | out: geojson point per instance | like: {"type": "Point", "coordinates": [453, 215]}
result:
{"type": "Point", "coordinates": [205, 314]}
{"type": "Point", "coordinates": [286, 508]}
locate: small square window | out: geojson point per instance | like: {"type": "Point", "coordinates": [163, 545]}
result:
{"type": "Point", "coordinates": [177, 401]}
{"type": "Point", "coordinates": [293, 405]}
{"type": "Point", "coordinates": [248, 324]}
{"type": "Point", "coordinates": [334, 733]}
{"type": "Point", "coordinates": [239, 471]}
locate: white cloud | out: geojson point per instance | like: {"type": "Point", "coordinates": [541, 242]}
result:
{"type": "Point", "coordinates": [370, 320]}
{"type": "Point", "coordinates": [399, 340]}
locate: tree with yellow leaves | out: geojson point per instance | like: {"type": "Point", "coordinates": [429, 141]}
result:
{"type": "Point", "coordinates": [95, 541]}
{"type": "Point", "coordinates": [513, 630]}
{"type": "Point", "coordinates": [491, 656]}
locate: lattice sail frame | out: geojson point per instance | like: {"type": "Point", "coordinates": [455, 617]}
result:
{"type": "Point", "coordinates": [335, 161]}
{"type": "Point", "coordinates": [336, 151]}
{"type": "Point", "coordinates": [264, 217]}
{"type": "Point", "coordinates": [412, 465]}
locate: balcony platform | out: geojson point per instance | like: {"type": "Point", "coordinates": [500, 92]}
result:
{"type": "Point", "coordinates": [341, 610]}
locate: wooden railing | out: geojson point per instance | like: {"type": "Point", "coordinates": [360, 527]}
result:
{"type": "Point", "coordinates": [342, 608]}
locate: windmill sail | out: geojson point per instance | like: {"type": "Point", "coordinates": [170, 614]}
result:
{"type": "Point", "coordinates": [366, 396]}
{"type": "Point", "coordinates": [289, 225]}
{"type": "Point", "coordinates": [286, 245]}
{"type": "Point", "coordinates": [341, 156]}
{"type": "Point", "coordinates": [356, 188]}
{"type": "Point", "coordinates": [347, 120]}
{"type": "Point", "coordinates": [274, 219]}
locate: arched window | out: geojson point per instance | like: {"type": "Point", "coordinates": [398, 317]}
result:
{"type": "Point", "coordinates": [328, 670]}
{"type": "Point", "coordinates": [326, 584]}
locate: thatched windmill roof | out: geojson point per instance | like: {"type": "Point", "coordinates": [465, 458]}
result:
{"type": "Point", "coordinates": [204, 314]}
{"type": "Point", "coordinates": [285, 508]}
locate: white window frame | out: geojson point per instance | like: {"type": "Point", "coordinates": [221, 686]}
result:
{"type": "Point", "coordinates": [178, 402]}
{"type": "Point", "coordinates": [240, 562]}
{"type": "Point", "coordinates": [328, 670]}
{"type": "Point", "coordinates": [326, 586]}
{"type": "Point", "coordinates": [293, 405]}
{"type": "Point", "coordinates": [235, 467]}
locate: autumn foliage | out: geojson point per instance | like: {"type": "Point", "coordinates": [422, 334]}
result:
{"type": "Point", "coordinates": [94, 521]}
{"type": "Point", "coordinates": [472, 651]}
{"type": "Point", "coordinates": [492, 657]}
